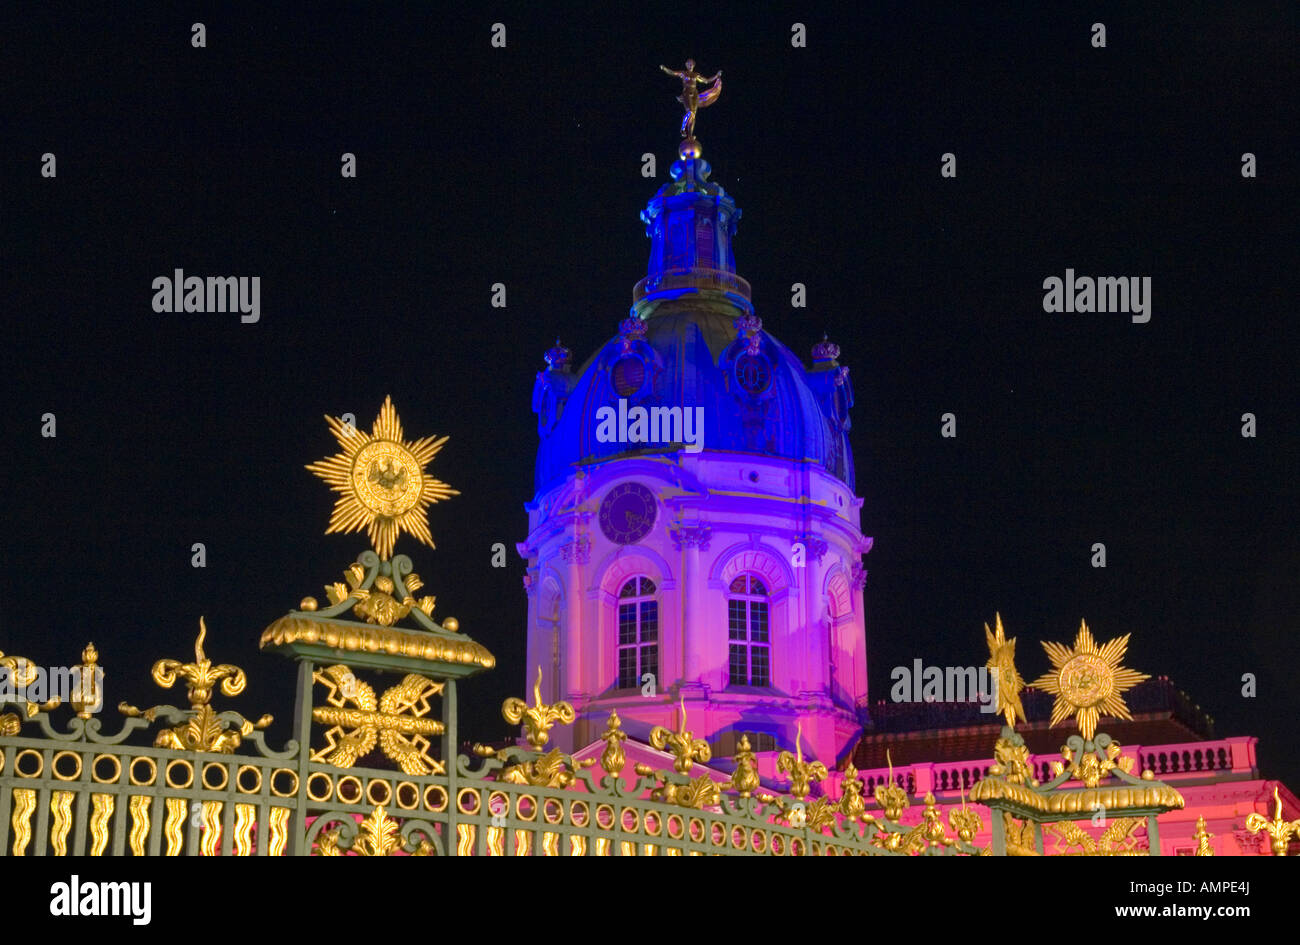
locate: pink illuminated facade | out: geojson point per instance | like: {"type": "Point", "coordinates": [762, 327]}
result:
{"type": "Point", "coordinates": [694, 542]}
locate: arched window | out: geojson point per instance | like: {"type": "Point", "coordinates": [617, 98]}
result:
{"type": "Point", "coordinates": [749, 646]}
{"type": "Point", "coordinates": [638, 632]}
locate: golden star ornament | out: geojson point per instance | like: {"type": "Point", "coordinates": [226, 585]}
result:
{"type": "Point", "coordinates": [1002, 660]}
{"type": "Point", "coordinates": [382, 481]}
{"type": "Point", "coordinates": [1088, 680]}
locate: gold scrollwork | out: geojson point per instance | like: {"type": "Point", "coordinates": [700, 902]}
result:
{"type": "Point", "coordinates": [377, 835]}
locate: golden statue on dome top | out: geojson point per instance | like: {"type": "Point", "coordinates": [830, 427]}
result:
{"type": "Point", "coordinates": [692, 98]}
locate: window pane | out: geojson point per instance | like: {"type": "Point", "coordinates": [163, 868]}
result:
{"type": "Point", "coordinates": [736, 619]}
{"type": "Point", "coordinates": [629, 589]}
{"type": "Point", "coordinates": [758, 621]}
{"type": "Point", "coordinates": [650, 660]}
{"type": "Point", "coordinates": [738, 585]}
{"type": "Point", "coordinates": [647, 586]}
{"type": "Point", "coordinates": [738, 665]}
{"type": "Point", "coordinates": [761, 675]}
{"type": "Point", "coordinates": [756, 587]}
{"type": "Point", "coordinates": [627, 677]}
{"type": "Point", "coordinates": [650, 620]}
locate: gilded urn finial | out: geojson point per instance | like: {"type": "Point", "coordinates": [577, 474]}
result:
{"type": "Point", "coordinates": [612, 759]}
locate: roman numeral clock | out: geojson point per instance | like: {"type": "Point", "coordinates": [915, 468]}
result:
{"type": "Point", "coordinates": [627, 513]}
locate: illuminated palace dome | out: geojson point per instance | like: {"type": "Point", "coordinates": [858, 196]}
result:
{"type": "Point", "coordinates": [692, 341]}
{"type": "Point", "coordinates": [694, 542]}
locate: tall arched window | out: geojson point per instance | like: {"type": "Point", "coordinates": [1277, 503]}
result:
{"type": "Point", "coordinates": [749, 646]}
{"type": "Point", "coordinates": [638, 632]}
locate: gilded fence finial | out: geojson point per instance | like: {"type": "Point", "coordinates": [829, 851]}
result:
{"type": "Point", "coordinates": [204, 730]}
{"type": "Point", "coordinates": [852, 806]}
{"type": "Point", "coordinates": [539, 717]}
{"type": "Point", "coordinates": [965, 822]}
{"type": "Point", "coordinates": [1203, 845]}
{"type": "Point", "coordinates": [684, 746]}
{"type": "Point", "coordinates": [801, 772]}
{"type": "Point", "coordinates": [930, 831]}
{"type": "Point", "coordinates": [1279, 831]}
{"type": "Point", "coordinates": [744, 780]}
{"type": "Point", "coordinates": [891, 797]}
{"type": "Point", "coordinates": [88, 698]}
{"type": "Point", "coordinates": [612, 758]}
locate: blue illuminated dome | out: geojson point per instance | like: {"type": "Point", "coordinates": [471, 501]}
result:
{"type": "Point", "coordinates": [692, 340]}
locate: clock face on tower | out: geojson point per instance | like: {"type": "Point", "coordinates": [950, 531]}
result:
{"type": "Point", "coordinates": [627, 513]}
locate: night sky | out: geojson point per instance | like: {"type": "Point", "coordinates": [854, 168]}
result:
{"type": "Point", "coordinates": [522, 166]}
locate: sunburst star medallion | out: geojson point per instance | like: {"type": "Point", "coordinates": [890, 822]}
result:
{"type": "Point", "coordinates": [1002, 659]}
{"type": "Point", "coordinates": [382, 480]}
{"type": "Point", "coordinates": [1088, 680]}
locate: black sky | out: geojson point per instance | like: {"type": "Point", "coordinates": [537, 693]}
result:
{"type": "Point", "coordinates": [522, 166]}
